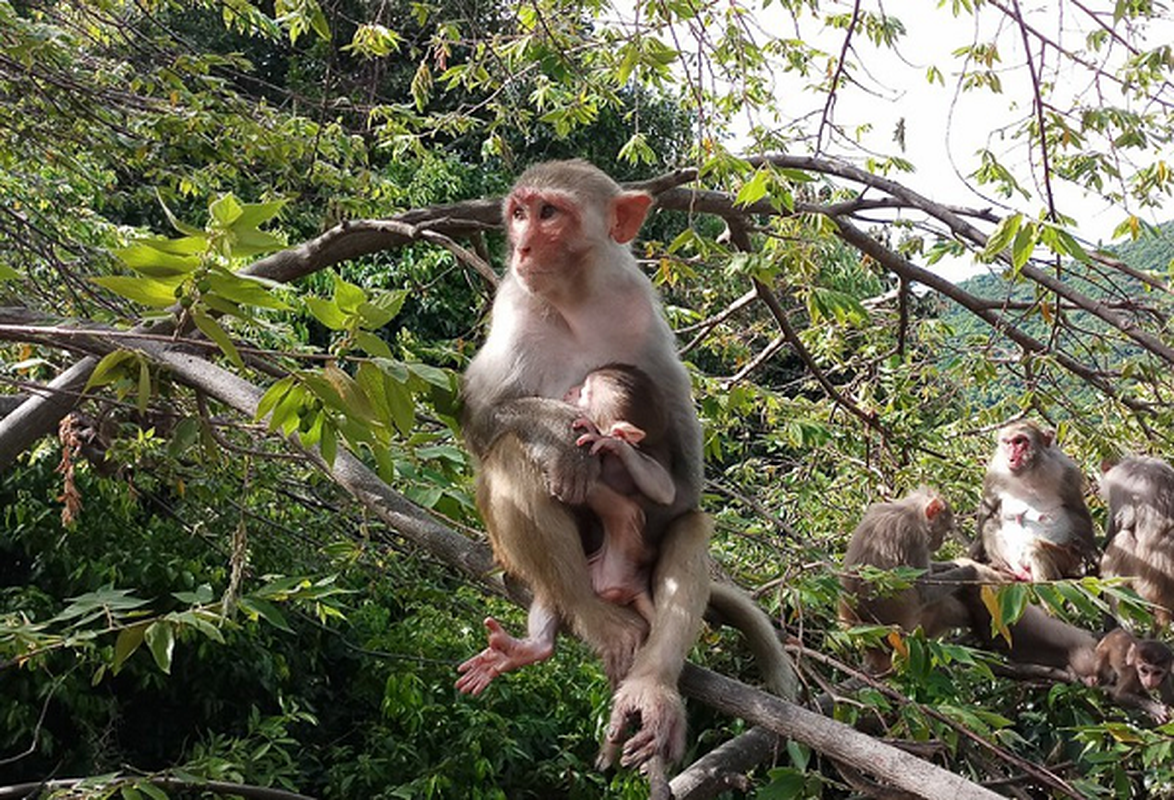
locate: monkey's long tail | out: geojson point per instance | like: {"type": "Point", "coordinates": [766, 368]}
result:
{"type": "Point", "coordinates": [735, 607]}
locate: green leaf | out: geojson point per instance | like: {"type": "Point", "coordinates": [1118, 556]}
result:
{"type": "Point", "coordinates": [256, 608]}
{"type": "Point", "coordinates": [373, 317]}
{"type": "Point", "coordinates": [754, 189]}
{"type": "Point", "coordinates": [346, 295]}
{"type": "Point", "coordinates": [225, 210]}
{"type": "Point", "coordinates": [372, 345]}
{"type": "Point", "coordinates": [7, 273]}
{"type": "Point", "coordinates": [1001, 237]}
{"type": "Point", "coordinates": [149, 257]}
{"type": "Point", "coordinates": [108, 369]}
{"type": "Point", "coordinates": [154, 292]}
{"type": "Point", "coordinates": [440, 378]}
{"type": "Point", "coordinates": [248, 242]}
{"type": "Point", "coordinates": [329, 444]}
{"type": "Point", "coordinates": [272, 396]}
{"type": "Point", "coordinates": [328, 313]}
{"type": "Point", "coordinates": [403, 407]}
{"type": "Point", "coordinates": [211, 328]}
{"type": "Point", "coordinates": [127, 643]}
{"type": "Point", "coordinates": [152, 791]}
{"type": "Point", "coordinates": [354, 399]}
{"type": "Point", "coordinates": [144, 394]}
{"type": "Point", "coordinates": [160, 637]}
{"type": "Point", "coordinates": [1023, 246]}
{"type": "Point", "coordinates": [241, 289]}
{"type": "Point", "coordinates": [254, 215]}
{"type": "Point", "coordinates": [176, 223]}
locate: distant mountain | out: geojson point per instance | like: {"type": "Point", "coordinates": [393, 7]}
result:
{"type": "Point", "coordinates": [974, 339]}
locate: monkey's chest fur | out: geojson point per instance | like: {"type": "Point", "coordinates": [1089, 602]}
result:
{"type": "Point", "coordinates": [1026, 518]}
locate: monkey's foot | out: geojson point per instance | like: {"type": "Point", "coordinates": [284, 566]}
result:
{"type": "Point", "coordinates": [505, 653]}
{"type": "Point", "coordinates": [659, 713]}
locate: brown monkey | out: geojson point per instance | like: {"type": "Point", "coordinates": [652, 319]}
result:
{"type": "Point", "coordinates": [1140, 530]}
{"type": "Point", "coordinates": [1136, 668]}
{"type": "Point", "coordinates": [1032, 521]}
{"type": "Point", "coordinates": [904, 534]}
{"type": "Point", "coordinates": [622, 408]}
{"type": "Point", "coordinates": [572, 300]}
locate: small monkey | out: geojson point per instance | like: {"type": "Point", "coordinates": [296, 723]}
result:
{"type": "Point", "coordinates": [1140, 530]}
{"type": "Point", "coordinates": [1032, 522]}
{"type": "Point", "coordinates": [623, 409]}
{"type": "Point", "coordinates": [1136, 667]}
{"type": "Point", "coordinates": [903, 534]}
{"type": "Point", "coordinates": [574, 298]}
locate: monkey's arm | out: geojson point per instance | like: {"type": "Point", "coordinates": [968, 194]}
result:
{"type": "Point", "coordinates": [946, 578]}
{"type": "Point", "coordinates": [649, 475]}
{"type": "Point", "coordinates": [988, 519]}
{"type": "Point", "coordinates": [542, 427]}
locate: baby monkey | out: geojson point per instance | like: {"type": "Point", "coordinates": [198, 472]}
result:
{"type": "Point", "coordinates": [1136, 667]}
{"type": "Point", "coordinates": [623, 408]}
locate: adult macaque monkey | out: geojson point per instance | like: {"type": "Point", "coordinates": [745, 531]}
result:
{"type": "Point", "coordinates": [572, 300]}
{"type": "Point", "coordinates": [1032, 521]}
{"type": "Point", "coordinates": [1136, 667]}
{"type": "Point", "coordinates": [1140, 530]}
{"type": "Point", "coordinates": [904, 534]}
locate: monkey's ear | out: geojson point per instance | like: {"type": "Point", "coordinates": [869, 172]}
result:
{"type": "Point", "coordinates": [935, 506]}
{"type": "Point", "coordinates": [1047, 436]}
{"type": "Point", "coordinates": [1131, 656]}
{"type": "Point", "coordinates": [627, 431]}
{"type": "Point", "coordinates": [627, 215]}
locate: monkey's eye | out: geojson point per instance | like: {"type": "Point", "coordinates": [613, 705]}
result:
{"type": "Point", "coordinates": [547, 211]}
{"type": "Point", "coordinates": [518, 212]}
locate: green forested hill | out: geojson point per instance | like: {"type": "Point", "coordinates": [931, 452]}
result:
{"type": "Point", "coordinates": [1032, 309]}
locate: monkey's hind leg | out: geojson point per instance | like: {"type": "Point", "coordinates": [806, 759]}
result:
{"type": "Point", "coordinates": [535, 537]}
{"type": "Point", "coordinates": [680, 591]}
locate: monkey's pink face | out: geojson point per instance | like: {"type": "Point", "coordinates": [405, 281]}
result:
{"type": "Point", "coordinates": [546, 231]}
{"type": "Point", "coordinates": [1017, 450]}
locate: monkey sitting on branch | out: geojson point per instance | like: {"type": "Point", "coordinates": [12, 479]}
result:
{"type": "Point", "coordinates": [1033, 523]}
{"type": "Point", "coordinates": [1140, 530]}
{"type": "Point", "coordinates": [574, 299]}
{"type": "Point", "coordinates": [1135, 667]}
{"type": "Point", "coordinates": [904, 534]}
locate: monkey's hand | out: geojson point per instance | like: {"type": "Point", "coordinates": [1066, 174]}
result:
{"type": "Point", "coordinates": [584, 424]}
{"type": "Point", "coordinates": [505, 653]}
{"type": "Point", "coordinates": [660, 714]}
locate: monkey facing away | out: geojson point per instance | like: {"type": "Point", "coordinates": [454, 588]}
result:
{"type": "Point", "coordinates": [1032, 522]}
{"type": "Point", "coordinates": [1140, 530]}
{"type": "Point", "coordinates": [574, 299]}
{"type": "Point", "coordinates": [904, 534]}
{"type": "Point", "coordinates": [1135, 668]}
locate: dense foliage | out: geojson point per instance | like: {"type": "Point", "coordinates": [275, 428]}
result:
{"type": "Point", "coordinates": [188, 594]}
